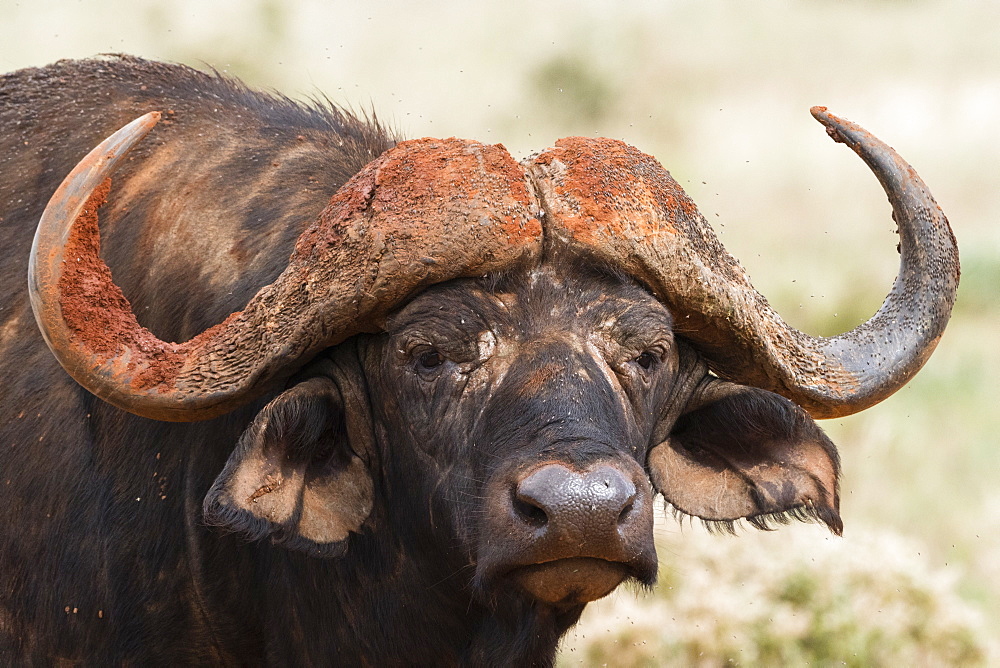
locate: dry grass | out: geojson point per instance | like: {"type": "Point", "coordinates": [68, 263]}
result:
{"type": "Point", "coordinates": [803, 598]}
{"type": "Point", "coordinates": [719, 92]}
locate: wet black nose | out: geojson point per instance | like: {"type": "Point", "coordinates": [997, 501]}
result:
{"type": "Point", "coordinates": [565, 533]}
{"type": "Point", "coordinates": [587, 505]}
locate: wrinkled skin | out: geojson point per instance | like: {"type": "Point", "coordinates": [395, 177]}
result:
{"type": "Point", "coordinates": [500, 384]}
{"type": "Point", "coordinates": [477, 389]}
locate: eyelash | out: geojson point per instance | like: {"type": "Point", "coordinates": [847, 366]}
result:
{"type": "Point", "coordinates": [647, 359]}
{"type": "Point", "coordinates": [430, 359]}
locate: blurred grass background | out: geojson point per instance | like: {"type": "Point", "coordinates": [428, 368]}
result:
{"type": "Point", "coordinates": [719, 92]}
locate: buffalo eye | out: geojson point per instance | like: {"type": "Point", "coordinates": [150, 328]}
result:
{"type": "Point", "coordinates": [430, 359]}
{"type": "Point", "coordinates": [646, 360]}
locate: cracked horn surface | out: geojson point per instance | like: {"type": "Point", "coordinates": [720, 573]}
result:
{"type": "Point", "coordinates": [424, 212]}
{"type": "Point", "coordinates": [610, 202]}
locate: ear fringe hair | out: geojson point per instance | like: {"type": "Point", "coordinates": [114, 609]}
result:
{"type": "Point", "coordinates": [806, 513]}
{"type": "Point", "coordinates": [232, 520]}
{"type": "Point", "coordinates": [252, 529]}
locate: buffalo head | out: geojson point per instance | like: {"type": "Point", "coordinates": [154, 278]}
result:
{"type": "Point", "coordinates": [503, 361]}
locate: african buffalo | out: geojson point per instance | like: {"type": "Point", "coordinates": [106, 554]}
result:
{"type": "Point", "coordinates": [424, 394]}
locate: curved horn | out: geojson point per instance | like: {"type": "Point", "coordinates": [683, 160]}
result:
{"type": "Point", "coordinates": [425, 211]}
{"type": "Point", "coordinates": [609, 201]}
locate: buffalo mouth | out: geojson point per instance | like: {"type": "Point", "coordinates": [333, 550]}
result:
{"type": "Point", "coordinates": [566, 535]}
{"type": "Point", "coordinates": [571, 581]}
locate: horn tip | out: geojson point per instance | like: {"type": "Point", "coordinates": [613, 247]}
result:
{"type": "Point", "coordinates": [818, 112]}
{"type": "Point", "coordinates": [838, 128]}
{"type": "Point", "coordinates": [147, 121]}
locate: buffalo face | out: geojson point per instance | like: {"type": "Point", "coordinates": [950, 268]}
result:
{"type": "Point", "coordinates": [533, 402]}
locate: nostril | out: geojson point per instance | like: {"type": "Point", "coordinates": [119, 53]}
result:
{"type": "Point", "coordinates": [556, 498]}
{"type": "Point", "coordinates": [626, 511]}
{"type": "Point", "coordinates": [529, 511]}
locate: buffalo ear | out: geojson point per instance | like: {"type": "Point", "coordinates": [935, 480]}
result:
{"type": "Point", "coordinates": [748, 454]}
{"type": "Point", "coordinates": [293, 475]}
